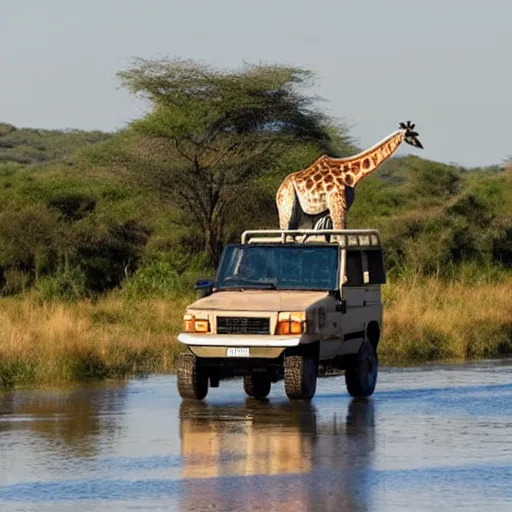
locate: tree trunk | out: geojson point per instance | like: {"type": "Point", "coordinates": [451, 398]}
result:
{"type": "Point", "coordinates": [213, 245]}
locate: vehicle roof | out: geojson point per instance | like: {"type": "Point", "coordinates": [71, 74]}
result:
{"type": "Point", "coordinates": [346, 238]}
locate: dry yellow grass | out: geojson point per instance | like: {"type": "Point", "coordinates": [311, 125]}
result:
{"type": "Point", "coordinates": [54, 342]}
{"type": "Point", "coordinates": [431, 320]}
{"type": "Point", "coordinates": [50, 343]}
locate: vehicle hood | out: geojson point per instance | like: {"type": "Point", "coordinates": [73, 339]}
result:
{"type": "Point", "coordinates": [258, 300]}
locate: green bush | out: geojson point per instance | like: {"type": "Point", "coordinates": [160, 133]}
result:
{"type": "Point", "coordinates": [73, 206]}
{"type": "Point", "coordinates": [68, 286]}
{"type": "Point", "coordinates": [171, 275]}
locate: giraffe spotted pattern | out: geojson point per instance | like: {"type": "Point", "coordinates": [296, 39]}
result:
{"type": "Point", "coordinates": [322, 186]}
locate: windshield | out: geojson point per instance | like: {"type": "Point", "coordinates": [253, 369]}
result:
{"type": "Point", "coordinates": [279, 267]}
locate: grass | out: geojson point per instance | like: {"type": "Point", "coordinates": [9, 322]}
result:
{"type": "Point", "coordinates": [431, 320]}
{"type": "Point", "coordinates": [48, 343]}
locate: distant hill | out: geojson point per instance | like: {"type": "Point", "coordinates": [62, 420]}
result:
{"type": "Point", "coordinates": [30, 146]}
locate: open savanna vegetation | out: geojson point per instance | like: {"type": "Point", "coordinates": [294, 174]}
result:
{"type": "Point", "coordinates": [51, 342]}
{"type": "Point", "coordinates": [431, 320]}
{"type": "Point", "coordinates": [56, 342]}
{"type": "Point", "coordinates": [102, 235]}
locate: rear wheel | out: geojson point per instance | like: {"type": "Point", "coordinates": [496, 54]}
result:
{"type": "Point", "coordinates": [300, 375]}
{"type": "Point", "coordinates": [192, 380]}
{"type": "Point", "coordinates": [361, 376]}
{"type": "Point", "coordinates": [257, 385]}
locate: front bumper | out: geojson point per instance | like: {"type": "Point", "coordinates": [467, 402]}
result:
{"type": "Point", "coordinates": [242, 340]}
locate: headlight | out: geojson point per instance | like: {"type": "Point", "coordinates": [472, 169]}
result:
{"type": "Point", "coordinates": [291, 323]}
{"type": "Point", "coordinates": [191, 324]}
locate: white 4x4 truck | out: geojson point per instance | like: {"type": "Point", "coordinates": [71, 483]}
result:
{"type": "Point", "coordinates": [289, 305]}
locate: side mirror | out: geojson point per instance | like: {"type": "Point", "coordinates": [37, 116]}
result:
{"type": "Point", "coordinates": [341, 306]}
{"type": "Point", "coordinates": [341, 303]}
{"type": "Point", "coordinates": [203, 287]}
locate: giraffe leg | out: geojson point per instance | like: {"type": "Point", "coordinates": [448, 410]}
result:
{"type": "Point", "coordinates": [338, 210]}
{"type": "Point", "coordinates": [287, 205]}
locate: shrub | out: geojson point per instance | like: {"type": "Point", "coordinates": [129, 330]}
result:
{"type": "Point", "coordinates": [73, 206]}
{"type": "Point", "coordinates": [68, 286]}
{"type": "Point", "coordinates": [169, 276]}
{"type": "Point", "coordinates": [15, 281]}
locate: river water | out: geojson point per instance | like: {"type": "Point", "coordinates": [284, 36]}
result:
{"type": "Point", "coordinates": [430, 438]}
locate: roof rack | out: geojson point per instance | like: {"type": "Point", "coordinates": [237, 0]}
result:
{"type": "Point", "coordinates": [342, 237]}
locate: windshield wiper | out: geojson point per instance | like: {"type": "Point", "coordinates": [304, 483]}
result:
{"type": "Point", "coordinates": [270, 284]}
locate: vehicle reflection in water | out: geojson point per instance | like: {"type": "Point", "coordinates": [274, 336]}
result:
{"type": "Point", "coordinates": [75, 422]}
{"type": "Point", "coordinates": [275, 455]}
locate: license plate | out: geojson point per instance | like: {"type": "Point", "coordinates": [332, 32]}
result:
{"type": "Point", "coordinates": [237, 352]}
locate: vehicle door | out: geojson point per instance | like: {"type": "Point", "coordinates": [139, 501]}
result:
{"type": "Point", "coordinates": [353, 292]}
{"type": "Point", "coordinates": [364, 274]}
{"type": "Point", "coordinates": [373, 276]}
{"type": "Point", "coordinates": [325, 268]}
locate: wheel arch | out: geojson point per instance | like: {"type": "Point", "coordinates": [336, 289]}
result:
{"type": "Point", "coordinates": [311, 349]}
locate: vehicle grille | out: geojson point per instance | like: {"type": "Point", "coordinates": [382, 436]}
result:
{"type": "Point", "coordinates": [242, 325]}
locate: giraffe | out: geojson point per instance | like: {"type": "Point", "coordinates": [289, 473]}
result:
{"type": "Point", "coordinates": [328, 184]}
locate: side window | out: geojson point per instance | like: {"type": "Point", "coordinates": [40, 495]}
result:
{"type": "Point", "coordinates": [375, 267]}
{"type": "Point", "coordinates": [354, 268]}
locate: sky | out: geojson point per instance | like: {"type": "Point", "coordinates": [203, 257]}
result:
{"type": "Point", "coordinates": [444, 64]}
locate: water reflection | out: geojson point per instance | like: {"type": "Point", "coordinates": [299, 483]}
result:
{"type": "Point", "coordinates": [272, 454]}
{"type": "Point", "coordinates": [71, 420]}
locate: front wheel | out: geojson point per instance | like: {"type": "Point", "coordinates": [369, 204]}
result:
{"type": "Point", "coordinates": [361, 376]}
{"type": "Point", "coordinates": [300, 376]}
{"type": "Point", "coordinates": [192, 380]}
{"type": "Point", "coordinates": [257, 385]}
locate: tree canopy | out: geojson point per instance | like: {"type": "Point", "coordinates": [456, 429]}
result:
{"type": "Point", "coordinates": [215, 131]}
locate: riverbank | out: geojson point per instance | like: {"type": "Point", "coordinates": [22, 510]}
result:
{"type": "Point", "coordinates": [49, 343]}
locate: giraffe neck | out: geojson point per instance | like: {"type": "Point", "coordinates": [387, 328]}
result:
{"type": "Point", "coordinates": [355, 168]}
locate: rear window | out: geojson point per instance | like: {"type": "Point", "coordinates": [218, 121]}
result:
{"type": "Point", "coordinates": [364, 267]}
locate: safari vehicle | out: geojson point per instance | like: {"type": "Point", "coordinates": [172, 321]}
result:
{"type": "Point", "coordinates": [287, 304]}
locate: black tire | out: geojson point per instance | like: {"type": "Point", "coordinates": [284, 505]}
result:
{"type": "Point", "coordinates": [361, 376]}
{"type": "Point", "coordinates": [192, 382]}
{"type": "Point", "coordinates": [300, 375]}
{"type": "Point", "coordinates": [257, 385]}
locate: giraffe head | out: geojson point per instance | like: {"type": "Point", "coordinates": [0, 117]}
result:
{"type": "Point", "coordinates": [410, 136]}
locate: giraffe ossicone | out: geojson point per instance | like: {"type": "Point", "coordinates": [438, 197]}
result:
{"type": "Point", "coordinates": [327, 185]}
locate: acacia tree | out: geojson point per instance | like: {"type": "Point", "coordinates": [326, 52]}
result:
{"type": "Point", "coordinates": [212, 132]}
